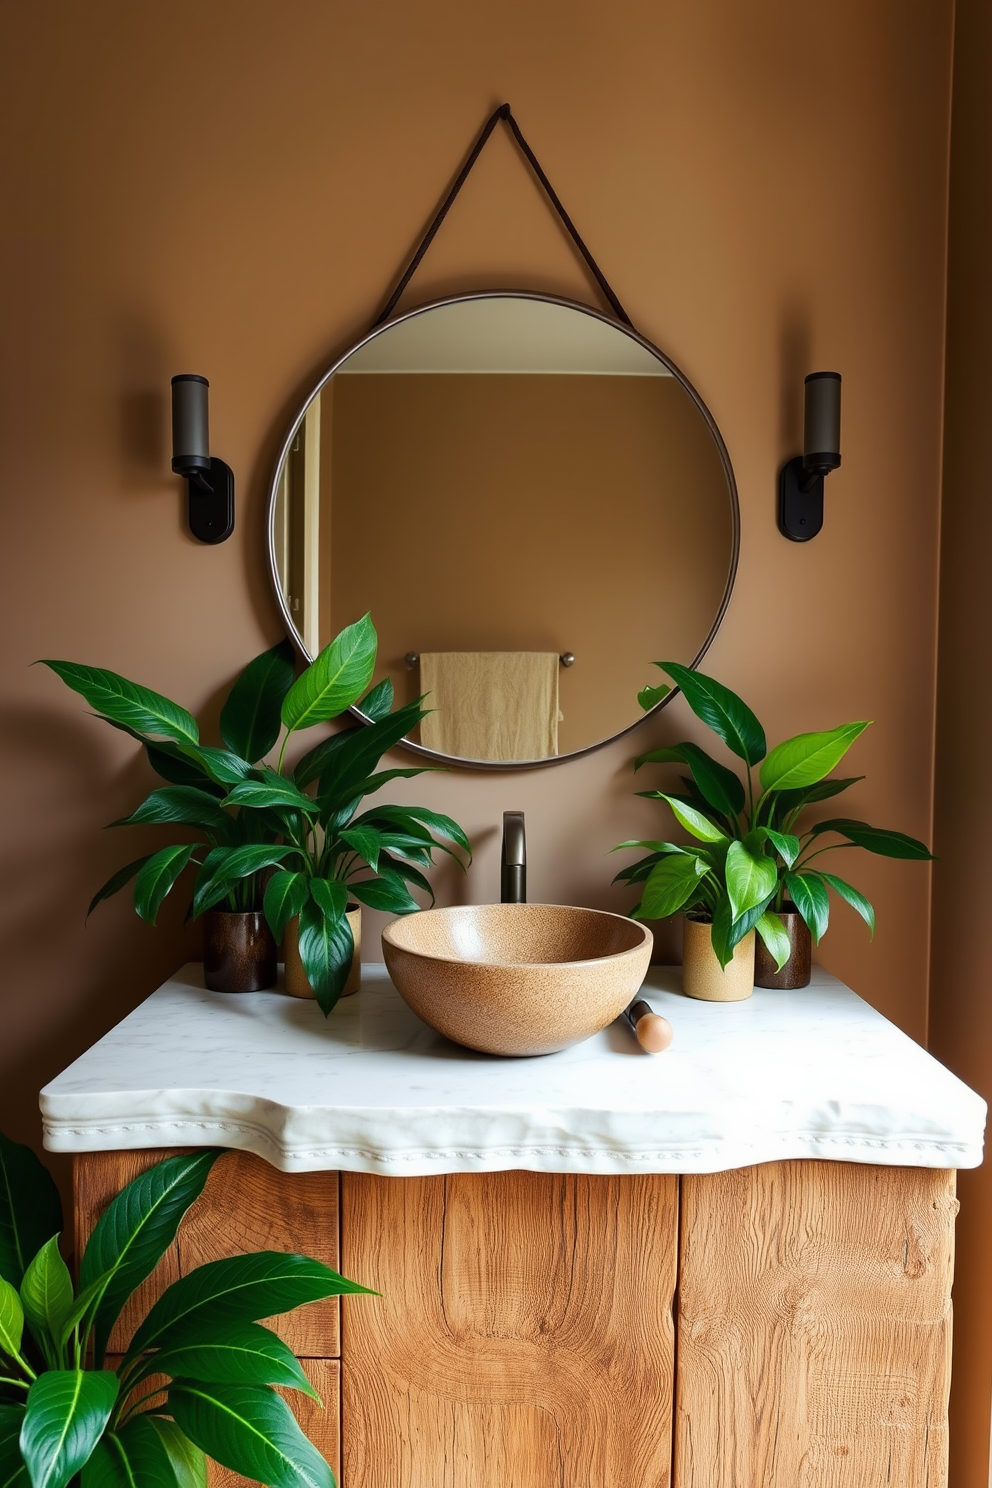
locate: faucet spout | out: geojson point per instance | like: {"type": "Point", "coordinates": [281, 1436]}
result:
{"type": "Point", "coordinates": [513, 868]}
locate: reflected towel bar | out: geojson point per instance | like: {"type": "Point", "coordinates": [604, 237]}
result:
{"type": "Point", "coordinates": [412, 658]}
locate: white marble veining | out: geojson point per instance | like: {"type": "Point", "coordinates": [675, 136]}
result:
{"type": "Point", "coordinates": [816, 1073]}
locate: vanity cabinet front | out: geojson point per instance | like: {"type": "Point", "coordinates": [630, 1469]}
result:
{"type": "Point", "coordinates": [784, 1325]}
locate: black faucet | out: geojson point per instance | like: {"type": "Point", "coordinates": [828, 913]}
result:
{"type": "Point", "coordinates": [513, 868]}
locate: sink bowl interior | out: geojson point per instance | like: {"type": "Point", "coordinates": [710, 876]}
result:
{"type": "Point", "coordinates": [517, 978]}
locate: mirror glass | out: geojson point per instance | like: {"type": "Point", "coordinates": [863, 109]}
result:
{"type": "Point", "coordinates": [534, 505]}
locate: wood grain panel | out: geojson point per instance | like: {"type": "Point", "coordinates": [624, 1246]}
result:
{"type": "Point", "coordinates": [814, 1327]}
{"type": "Point", "coordinates": [523, 1337]}
{"type": "Point", "coordinates": [246, 1205]}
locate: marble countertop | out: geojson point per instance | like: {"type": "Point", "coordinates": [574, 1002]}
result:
{"type": "Point", "coordinates": [816, 1073]}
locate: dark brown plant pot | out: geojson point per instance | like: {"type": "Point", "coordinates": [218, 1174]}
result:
{"type": "Point", "coordinates": [239, 954]}
{"type": "Point", "coordinates": [798, 969]}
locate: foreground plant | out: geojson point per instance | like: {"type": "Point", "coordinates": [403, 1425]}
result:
{"type": "Point", "coordinates": [753, 857]}
{"type": "Point", "coordinates": [63, 1411]}
{"type": "Point", "coordinates": [256, 819]}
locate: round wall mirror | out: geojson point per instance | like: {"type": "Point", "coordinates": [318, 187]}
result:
{"type": "Point", "coordinates": [534, 505]}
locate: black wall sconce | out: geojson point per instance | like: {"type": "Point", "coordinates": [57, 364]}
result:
{"type": "Point", "coordinates": [210, 481]}
{"type": "Point", "coordinates": [800, 481]}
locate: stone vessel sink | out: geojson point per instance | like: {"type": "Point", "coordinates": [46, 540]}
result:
{"type": "Point", "coordinates": [517, 978]}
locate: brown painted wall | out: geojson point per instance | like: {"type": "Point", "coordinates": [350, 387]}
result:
{"type": "Point", "coordinates": [244, 220]}
{"type": "Point", "coordinates": [961, 983]}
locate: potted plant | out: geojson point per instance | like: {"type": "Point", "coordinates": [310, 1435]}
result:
{"type": "Point", "coordinates": [64, 1412]}
{"type": "Point", "coordinates": [257, 819]}
{"type": "Point", "coordinates": [751, 870]}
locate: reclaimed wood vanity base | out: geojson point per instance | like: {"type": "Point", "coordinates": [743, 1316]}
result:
{"type": "Point", "coordinates": [785, 1325]}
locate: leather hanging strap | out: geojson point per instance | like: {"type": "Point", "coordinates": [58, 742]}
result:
{"type": "Point", "coordinates": [504, 113]}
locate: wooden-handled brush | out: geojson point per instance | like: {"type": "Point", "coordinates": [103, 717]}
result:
{"type": "Point", "coordinates": [652, 1031]}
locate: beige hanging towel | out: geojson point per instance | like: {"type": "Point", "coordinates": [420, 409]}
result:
{"type": "Point", "coordinates": [491, 705]}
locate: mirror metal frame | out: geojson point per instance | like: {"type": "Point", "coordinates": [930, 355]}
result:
{"type": "Point", "coordinates": [512, 294]}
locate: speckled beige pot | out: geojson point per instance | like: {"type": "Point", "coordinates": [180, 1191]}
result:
{"type": "Point", "coordinates": [702, 974]}
{"type": "Point", "coordinates": [517, 978]}
{"type": "Point", "coordinates": [295, 980]}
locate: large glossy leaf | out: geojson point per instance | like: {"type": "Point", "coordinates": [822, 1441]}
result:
{"type": "Point", "coordinates": [804, 760]}
{"type": "Point", "coordinates": [30, 1208]}
{"type": "Point", "coordinates": [751, 877]}
{"type": "Point", "coordinates": [116, 882]}
{"type": "Point", "coordinates": [157, 876]}
{"type": "Point", "coordinates": [67, 1413]}
{"type": "Point", "coordinates": [784, 843]}
{"type": "Point", "coordinates": [335, 680]}
{"type": "Point", "coordinates": [379, 702]}
{"type": "Point", "coordinates": [720, 787]}
{"type": "Point", "coordinates": [47, 1296]}
{"type": "Point", "coordinates": [223, 868]}
{"type": "Point", "coordinates": [851, 896]}
{"type": "Point", "coordinates": [776, 941]}
{"type": "Point", "coordinates": [436, 824]}
{"type": "Point", "coordinates": [11, 1319]}
{"type": "Point", "coordinates": [342, 769]}
{"type": "Point", "coordinates": [327, 948]}
{"type": "Point", "coordinates": [810, 898]}
{"type": "Point", "coordinates": [368, 787]}
{"type": "Point", "coordinates": [13, 1473]}
{"type": "Point", "coordinates": [672, 883]}
{"type": "Point", "coordinates": [727, 932]}
{"type": "Point", "coordinates": [722, 710]}
{"type": "Point", "coordinates": [263, 793]}
{"type": "Point", "coordinates": [187, 1459]}
{"type": "Point", "coordinates": [236, 1288]}
{"type": "Point", "coordinates": [693, 820]}
{"type": "Point", "coordinates": [330, 896]}
{"type": "Point", "coordinates": [385, 893]}
{"type": "Point", "coordinates": [127, 702]}
{"type": "Point", "coordinates": [250, 1430]}
{"type": "Point", "coordinates": [788, 801]}
{"type": "Point", "coordinates": [285, 895]}
{"type": "Point", "coordinates": [876, 839]}
{"type": "Point", "coordinates": [134, 1456]}
{"type": "Point", "coordinates": [219, 765]}
{"type": "Point", "coordinates": [366, 841]}
{"type": "Point", "coordinates": [238, 1353]}
{"type": "Point", "coordinates": [408, 873]}
{"type": "Point", "coordinates": [136, 1230]}
{"type": "Point", "coordinates": [183, 804]}
{"type": "Point", "coordinates": [251, 718]}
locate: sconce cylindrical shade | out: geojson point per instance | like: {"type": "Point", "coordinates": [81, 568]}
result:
{"type": "Point", "coordinates": [190, 431]}
{"type": "Point", "coordinates": [821, 439]}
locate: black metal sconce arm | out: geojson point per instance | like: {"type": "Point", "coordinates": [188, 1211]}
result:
{"type": "Point", "coordinates": [211, 501]}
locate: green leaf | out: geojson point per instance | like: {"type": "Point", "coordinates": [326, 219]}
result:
{"type": "Point", "coordinates": [797, 763]}
{"type": "Point", "coordinates": [810, 898]}
{"type": "Point", "coordinates": [30, 1208]}
{"type": "Point", "coordinates": [237, 1353]}
{"type": "Point", "coordinates": [157, 877]}
{"type": "Point", "coordinates": [225, 866]}
{"type": "Point", "coordinates": [219, 765]}
{"type": "Point", "coordinates": [384, 893]}
{"type": "Point", "coordinates": [751, 877]}
{"type": "Point", "coordinates": [722, 710]}
{"type": "Point", "coordinates": [785, 843]}
{"type": "Point", "coordinates": [236, 1289]}
{"type": "Point", "coordinates": [47, 1296]}
{"type": "Point", "coordinates": [335, 679]}
{"type": "Point", "coordinates": [777, 942]}
{"type": "Point", "coordinates": [437, 824]}
{"type": "Point", "coordinates": [876, 839]}
{"type": "Point", "coordinates": [13, 1473]}
{"type": "Point", "coordinates": [250, 1430]}
{"type": "Point", "coordinates": [650, 697]}
{"type": "Point", "coordinates": [185, 804]}
{"type": "Point", "coordinates": [330, 896]}
{"type": "Point", "coordinates": [407, 873]}
{"type": "Point", "coordinates": [265, 793]}
{"type": "Point", "coordinates": [788, 801]}
{"type": "Point", "coordinates": [327, 949]}
{"type": "Point", "coordinates": [188, 1462]}
{"type": "Point", "coordinates": [365, 841]}
{"type": "Point", "coordinates": [135, 1231]}
{"type": "Point", "coordinates": [11, 1319]}
{"type": "Point", "coordinates": [719, 786]}
{"type": "Point", "coordinates": [379, 702]}
{"type": "Point", "coordinates": [343, 766]}
{"type": "Point", "coordinates": [693, 820]}
{"type": "Point", "coordinates": [117, 881]}
{"type": "Point", "coordinates": [728, 932]}
{"type": "Point", "coordinates": [133, 1456]}
{"type": "Point", "coordinates": [671, 884]}
{"type": "Point", "coordinates": [126, 702]}
{"type": "Point", "coordinates": [285, 895]}
{"type": "Point", "coordinates": [251, 718]}
{"type": "Point", "coordinates": [67, 1413]}
{"type": "Point", "coordinates": [852, 896]}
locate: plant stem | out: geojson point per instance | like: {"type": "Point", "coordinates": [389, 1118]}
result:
{"type": "Point", "coordinates": [5, 1379]}
{"type": "Point", "coordinates": [282, 752]}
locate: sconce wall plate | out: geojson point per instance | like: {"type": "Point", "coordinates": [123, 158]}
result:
{"type": "Point", "coordinates": [800, 513]}
{"type": "Point", "coordinates": [211, 511]}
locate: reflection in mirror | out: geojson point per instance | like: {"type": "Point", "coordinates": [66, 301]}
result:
{"type": "Point", "coordinates": [503, 480]}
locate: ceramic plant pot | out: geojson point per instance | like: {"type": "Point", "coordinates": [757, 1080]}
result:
{"type": "Point", "coordinates": [702, 974]}
{"type": "Point", "coordinates": [798, 969]}
{"type": "Point", "coordinates": [296, 982]}
{"type": "Point", "coordinates": [239, 954]}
